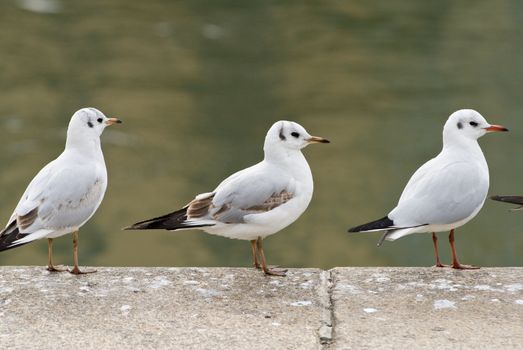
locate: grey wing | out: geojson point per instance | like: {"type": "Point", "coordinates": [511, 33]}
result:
{"type": "Point", "coordinates": [61, 198]}
{"type": "Point", "coordinates": [442, 196]}
{"type": "Point", "coordinates": [248, 192]}
{"type": "Point", "coordinates": [417, 179]}
{"type": "Point", "coordinates": [29, 200]}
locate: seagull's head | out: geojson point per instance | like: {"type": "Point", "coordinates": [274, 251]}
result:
{"type": "Point", "coordinates": [289, 135]}
{"type": "Point", "coordinates": [89, 122]}
{"type": "Point", "coordinates": [467, 123]}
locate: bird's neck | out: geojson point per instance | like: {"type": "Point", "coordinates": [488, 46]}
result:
{"type": "Point", "coordinates": [464, 148]}
{"type": "Point", "coordinates": [89, 147]}
{"type": "Point", "coordinates": [291, 160]}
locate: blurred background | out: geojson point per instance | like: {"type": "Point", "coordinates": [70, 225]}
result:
{"type": "Point", "coordinates": [198, 84]}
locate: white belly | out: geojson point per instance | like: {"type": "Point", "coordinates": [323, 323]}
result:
{"type": "Point", "coordinates": [432, 228]}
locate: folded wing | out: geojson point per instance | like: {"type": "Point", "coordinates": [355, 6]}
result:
{"type": "Point", "coordinates": [245, 193]}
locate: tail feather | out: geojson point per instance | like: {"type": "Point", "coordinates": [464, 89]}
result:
{"type": "Point", "coordinates": [10, 235]}
{"type": "Point", "coordinates": [378, 225]}
{"type": "Point", "coordinates": [173, 221]}
{"type": "Point", "coordinates": [383, 238]}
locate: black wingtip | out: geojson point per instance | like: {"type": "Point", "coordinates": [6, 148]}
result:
{"type": "Point", "coordinates": [10, 235]}
{"type": "Point", "coordinates": [142, 225]}
{"type": "Point", "coordinates": [508, 199]}
{"type": "Point", "coordinates": [153, 224]}
{"type": "Point", "coordinates": [169, 221]}
{"type": "Point", "coordinates": [354, 229]}
{"type": "Point", "coordinates": [381, 224]}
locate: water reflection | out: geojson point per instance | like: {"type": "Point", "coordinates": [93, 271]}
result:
{"type": "Point", "coordinates": [198, 83]}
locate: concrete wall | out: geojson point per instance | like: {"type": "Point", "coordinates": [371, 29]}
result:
{"type": "Point", "coordinates": [236, 308]}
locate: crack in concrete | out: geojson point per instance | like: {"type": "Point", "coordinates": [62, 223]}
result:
{"type": "Point", "coordinates": [326, 330]}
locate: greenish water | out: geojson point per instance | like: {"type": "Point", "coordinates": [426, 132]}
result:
{"type": "Point", "coordinates": [198, 83]}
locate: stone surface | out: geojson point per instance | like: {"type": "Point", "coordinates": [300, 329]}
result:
{"type": "Point", "coordinates": [428, 308]}
{"type": "Point", "coordinates": [159, 308]}
{"type": "Point", "coordinates": [233, 308]}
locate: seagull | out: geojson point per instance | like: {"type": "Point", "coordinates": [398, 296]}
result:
{"type": "Point", "coordinates": [256, 202]}
{"type": "Point", "coordinates": [510, 199]}
{"type": "Point", "coordinates": [446, 192]}
{"type": "Point", "coordinates": [66, 193]}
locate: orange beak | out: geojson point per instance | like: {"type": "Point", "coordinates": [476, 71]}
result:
{"type": "Point", "coordinates": [496, 128]}
{"type": "Point", "coordinates": [112, 121]}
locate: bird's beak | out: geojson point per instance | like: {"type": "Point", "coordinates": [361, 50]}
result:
{"type": "Point", "coordinates": [111, 121]}
{"type": "Point", "coordinates": [316, 139]}
{"type": "Point", "coordinates": [496, 128]}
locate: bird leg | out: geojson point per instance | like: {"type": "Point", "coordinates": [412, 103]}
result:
{"type": "Point", "coordinates": [76, 270]}
{"type": "Point", "coordinates": [50, 266]}
{"type": "Point", "coordinates": [435, 241]}
{"type": "Point", "coordinates": [268, 271]}
{"type": "Point", "coordinates": [455, 261]}
{"type": "Point", "coordinates": [255, 261]}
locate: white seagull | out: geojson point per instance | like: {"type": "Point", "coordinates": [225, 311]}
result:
{"type": "Point", "coordinates": [256, 202]}
{"type": "Point", "coordinates": [66, 192]}
{"type": "Point", "coordinates": [447, 191]}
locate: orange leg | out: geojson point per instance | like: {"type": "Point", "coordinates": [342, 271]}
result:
{"type": "Point", "coordinates": [435, 241]}
{"type": "Point", "coordinates": [455, 261]}
{"type": "Point", "coordinates": [268, 271]}
{"type": "Point", "coordinates": [255, 261]}
{"type": "Point", "coordinates": [76, 270]}
{"type": "Point", "coordinates": [50, 266]}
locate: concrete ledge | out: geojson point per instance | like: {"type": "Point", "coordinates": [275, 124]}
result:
{"type": "Point", "coordinates": [236, 308]}
{"type": "Point", "coordinates": [428, 308]}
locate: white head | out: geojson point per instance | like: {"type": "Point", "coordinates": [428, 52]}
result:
{"type": "Point", "coordinates": [87, 124]}
{"type": "Point", "coordinates": [467, 124]}
{"type": "Point", "coordinates": [285, 136]}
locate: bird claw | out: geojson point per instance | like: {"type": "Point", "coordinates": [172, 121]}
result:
{"type": "Point", "coordinates": [52, 268]}
{"type": "Point", "coordinates": [275, 272]}
{"type": "Point", "coordinates": [440, 265]}
{"type": "Point", "coordinates": [459, 266]}
{"type": "Point", "coordinates": [76, 271]}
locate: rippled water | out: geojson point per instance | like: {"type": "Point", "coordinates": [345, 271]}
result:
{"type": "Point", "coordinates": [198, 83]}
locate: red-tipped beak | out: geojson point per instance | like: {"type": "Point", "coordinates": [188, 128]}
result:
{"type": "Point", "coordinates": [496, 128]}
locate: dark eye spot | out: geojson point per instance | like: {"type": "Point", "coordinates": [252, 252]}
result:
{"type": "Point", "coordinates": [295, 134]}
{"type": "Point", "coordinates": [99, 120]}
{"type": "Point", "coordinates": [460, 126]}
{"type": "Point", "coordinates": [474, 124]}
{"type": "Point", "coordinates": [282, 137]}
{"type": "Point", "coordinates": [90, 124]}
